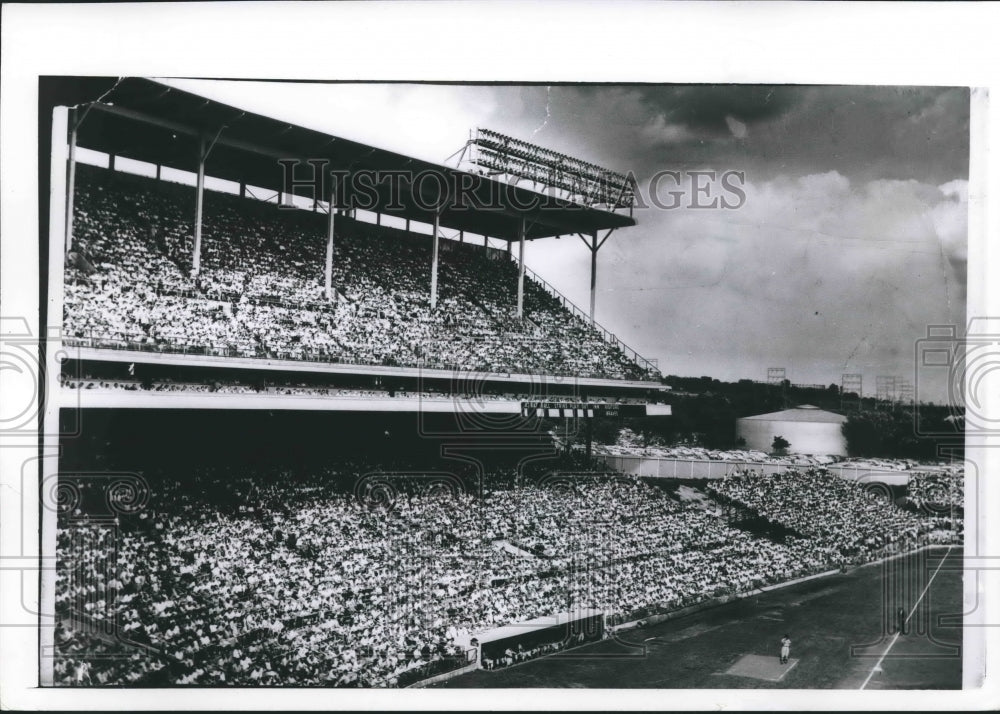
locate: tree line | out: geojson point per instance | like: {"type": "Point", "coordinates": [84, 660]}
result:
{"type": "Point", "coordinates": [705, 411]}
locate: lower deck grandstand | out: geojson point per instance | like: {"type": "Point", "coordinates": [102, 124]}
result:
{"type": "Point", "coordinates": [247, 551]}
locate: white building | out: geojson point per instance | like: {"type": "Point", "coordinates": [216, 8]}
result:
{"type": "Point", "coordinates": [808, 430]}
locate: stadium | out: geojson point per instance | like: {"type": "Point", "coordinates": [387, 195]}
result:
{"type": "Point", "coordinates": [320, 429]}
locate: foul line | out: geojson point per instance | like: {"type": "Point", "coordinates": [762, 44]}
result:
{"type": "Point", "coordinates": [915, 605]}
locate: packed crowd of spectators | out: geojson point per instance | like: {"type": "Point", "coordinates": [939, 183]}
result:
{"type": "Point", "coordinates": [840, 516]}
{"type": "Point", "coordinates": [351, 576]}
{"type": "Point", "coordinates": [940, 490]}
{"type": "Point", "coordinates": [259, 292]}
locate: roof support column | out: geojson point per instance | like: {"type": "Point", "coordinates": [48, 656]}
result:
{"type": "Point", "coordinates": [594, 245]}
{"type": "Point", "coordinates": [199, 204]}
{"type": "Point", "coordinates": [434, 262]}
{"type": "Point", "coordinates": [71, 179]}
{"type": "Point", "coordinates": [520, 270]}
{"type": "Point", "coordinates": [593, 275]}
{"type": "Point", "coordinates": [62, 119]}
{"type": "Point", "coordinates": [328, 269]}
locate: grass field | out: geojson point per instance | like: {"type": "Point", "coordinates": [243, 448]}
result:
{"type": "Point", "coordinates": [842, 628]}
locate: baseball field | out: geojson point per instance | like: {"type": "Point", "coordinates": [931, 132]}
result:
{"type": "Point", "coordinates": [844, 630]}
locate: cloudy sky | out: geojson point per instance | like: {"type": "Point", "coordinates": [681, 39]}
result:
{"type": "Point", "coordinates": [851, 240]}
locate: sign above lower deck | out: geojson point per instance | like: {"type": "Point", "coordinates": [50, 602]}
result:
{"type": "Point", "coordinates": [571, 410]}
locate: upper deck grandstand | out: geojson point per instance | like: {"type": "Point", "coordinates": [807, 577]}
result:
{"type": "Point", "coordinates": [259, 292]}
{"type": "Point", "coordinates": [160, 266]}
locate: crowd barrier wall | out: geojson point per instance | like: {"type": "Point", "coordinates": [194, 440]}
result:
{"type": "Point", "coordinates": [439, 670]}
{"type": "Point", "coordinates": [657, 467]}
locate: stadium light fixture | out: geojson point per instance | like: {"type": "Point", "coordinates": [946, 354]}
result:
{"type": "Point", "coordinates": [589, 184]}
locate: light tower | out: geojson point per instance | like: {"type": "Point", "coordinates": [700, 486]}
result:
{"type": "Point", "coordinates": [850, 391]}
{"type": "Point", "coordinates": [776, 378]}
{"type": "Point", "coordinates": [558, 176]}
{"type": "Point", "coordinates": [885, 390]}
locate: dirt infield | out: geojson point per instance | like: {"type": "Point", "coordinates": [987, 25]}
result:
{"type": "Point", "coordinates": [842, 629]}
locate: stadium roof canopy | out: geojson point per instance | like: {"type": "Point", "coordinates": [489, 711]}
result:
{"type": "Point", "coordinates": [149, 121]}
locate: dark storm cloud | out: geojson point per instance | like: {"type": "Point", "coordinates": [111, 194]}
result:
{"type": "Point", "coordinates": [871, 133]}
{"type": "Point", "coordinates": [704, 109]}
{"type": "Point", "coordinates": [860, 132]}
{"type": "Point", "coordinates": [853, 238]}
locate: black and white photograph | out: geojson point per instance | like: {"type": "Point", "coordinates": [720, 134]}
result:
{"type": "Point", "coordinates": [646, 385]}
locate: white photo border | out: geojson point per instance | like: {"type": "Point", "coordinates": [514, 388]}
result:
{"type": "Point", "coordinates": [935, 44]}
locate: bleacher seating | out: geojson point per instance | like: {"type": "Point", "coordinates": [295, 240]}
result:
{"type": "Point", "coordinates": [843, 516]}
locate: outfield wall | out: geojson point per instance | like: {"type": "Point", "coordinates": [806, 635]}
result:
{"type": "Point", "coordinates": [656, 467]}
